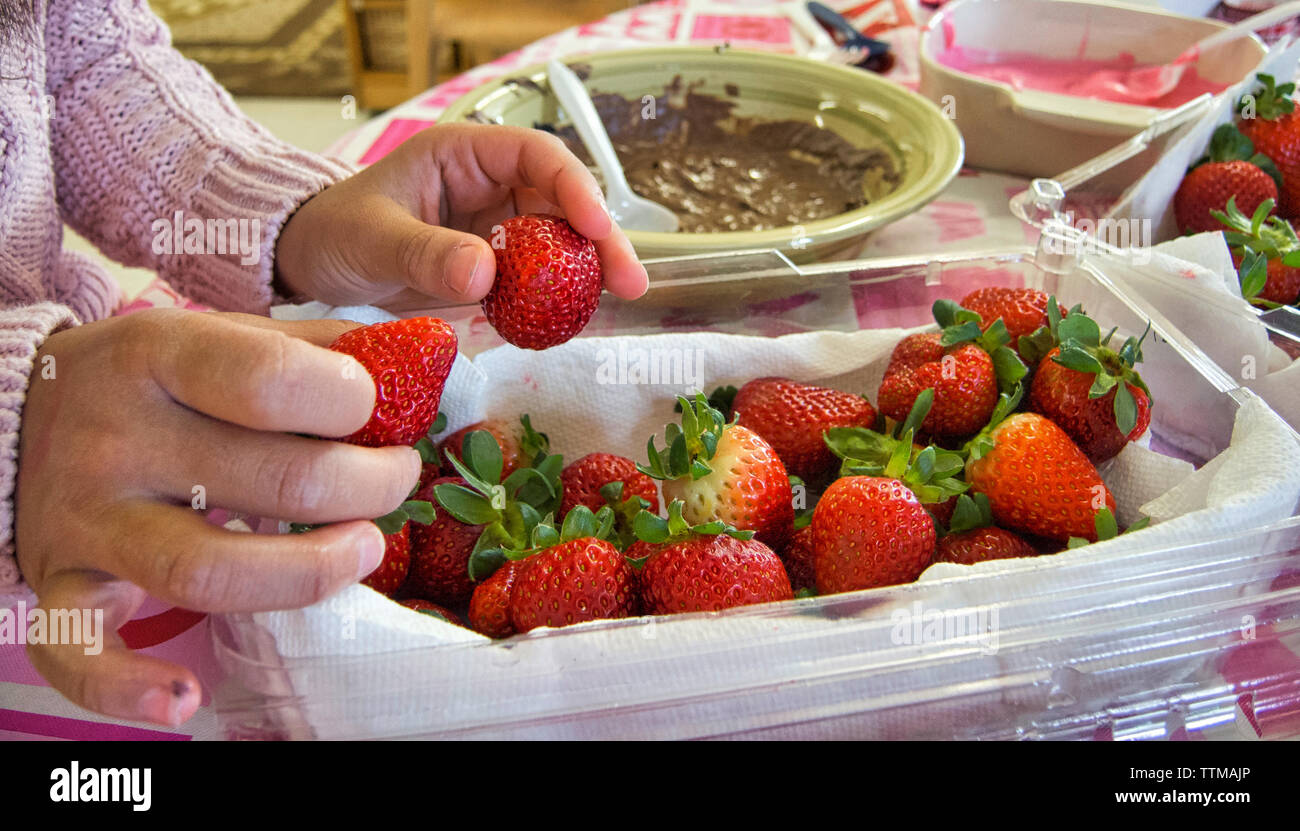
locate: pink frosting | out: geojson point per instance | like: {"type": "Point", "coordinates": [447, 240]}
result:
{"type": "Point", "coordinates": [1121, 80]}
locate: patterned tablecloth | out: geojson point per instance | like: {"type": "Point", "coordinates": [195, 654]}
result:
{"type": "Point", "coordinates": [970, 215]}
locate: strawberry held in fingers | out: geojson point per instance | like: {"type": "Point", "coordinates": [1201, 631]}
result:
{"type": "Point", "coordinates": [548, 281]}
{"type": "Point", "coordinates": [704, 568]}
{"type": "Point", "coordinates": [793, 417]}
{"type": "Point", "coordinates": [409, 361]}
{"type": "Point", "coordinates": [393, 568]}
{"type": "Point", "coordinates": [723, 471]}
{"type": "Point", "coordinates": [1037, 481]}
{"type": "Point", "coordinates": [1092, 391]}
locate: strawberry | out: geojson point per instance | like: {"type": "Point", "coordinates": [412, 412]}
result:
{"type": "Point", "coordinates": [440, 553]}
{"type": "Point", "coordinates": [869, 531]}
{"type": "Point", "coordinates": [1270, 123]}
{"type": "Point", "coordinates": [962, 376]}
{"type": "Point", "coordinates": [797, 556]}
{"type": "Point", "coordinates": [1090, 390]}
{"type": "Point", "coordinates": [584, 479]}
{"type": "Point", "coordinates": [432, 609]}
{"type": "Point", "coordinates": [482, 515]}
{"type": "Point", "coordinates": [518, 443]}
{"type": "Point", "coordinates": [409, 361]}
{"type": "Point", "coordinates": [1266, 251]}
{"type": "Point", "coordinates": [548, 282]}
{"type": "Point", "coordinates": [792, 418]}
{"type": "Point", "coordinates": [724, 472]}
{"type": "Point", "coordinates": [1036, 479]}
{"type": "Point", "coordinates": [392, 570]}
{"type": "Point", "coordinates": [571, 576]}
{"type": "Point", "coordinates": [1021, 310]}
{"type": "Point", "coordinates": [972, 538]}
{"type": "Point", "coordinates": [489, 607]}
{"type": "Point", "coordinates": [704, 568]}
{"type": "Point", "coordinates": [966, 364]}
{"type": "Point", "coordinates": [1208, 188]}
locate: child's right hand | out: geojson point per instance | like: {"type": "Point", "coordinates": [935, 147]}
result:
{"type": "Point", "coordinates": [133, 420]}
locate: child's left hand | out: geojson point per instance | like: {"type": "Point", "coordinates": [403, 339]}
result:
{"type": "Point", "coordinates": [416, 223]}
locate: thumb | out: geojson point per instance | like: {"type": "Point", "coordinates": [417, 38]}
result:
{"type": "Point", "coordinates": [439, 262]}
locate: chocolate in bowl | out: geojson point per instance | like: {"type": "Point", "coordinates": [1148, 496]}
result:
{"type": "Point", "coordinates": [718, 171]}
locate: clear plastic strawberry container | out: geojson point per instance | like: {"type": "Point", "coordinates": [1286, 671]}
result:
{"type": "Point", "coordinates": [1195, 633]}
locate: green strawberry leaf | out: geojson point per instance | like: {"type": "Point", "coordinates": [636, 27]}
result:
{"type": "Point", "coordinates": [468, 475]}
{"type": "Point", "coordinates": [960, 333]}
{"type": "Point", "coordinates": [392, 522]}
{"type": "Point", "coordinates": [1034, 347]}
{"type": "Point", "coordinates": [533, 444]}
{"type": "Point", "coordinates": [578, 523]}
{"type": "Point", "coordinates": [482, 455]}
{"type": "Point", "coordinates": [1008, 368]}
{"type": "Point", "coordinates": [419, 510]}
{"type": "Point", "coordinates": [1080, 327]}
{"type": "Point", "coordinates": [1076, 542]}
{"type": "Point", "coordinates": [465, 505]}
{"type": "Point", "coordinates": [1125, 409]}
{"type": "Point", "coordinates": [1139, 525]}
{"type": "Point", "coordinates": [544, 536]}
{"type": "Point", "coordinates": [920, 409]}
{"type": "Point", "coordinates": [483, 562]}
{"type": "Point", "coordinates": [427, 449]}
{"type": "Point", "coordinates": [1102, 384]}
{"type": "Point", "coordinates": [1229, 144]}
{"type": "Point", "coordinates": [650, 528]}
{"type": "Point", "coordinates": [1073, 356]}
{"type": "Point", "coordinates": [1266, 164]}
{"type": "Point", "coordinates": [1104, 523]}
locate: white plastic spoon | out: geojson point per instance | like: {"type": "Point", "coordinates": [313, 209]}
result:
{"type": "Point", "coordinates": [631, 212]}
{"type": "Point", "coordinates": [1151, 83]}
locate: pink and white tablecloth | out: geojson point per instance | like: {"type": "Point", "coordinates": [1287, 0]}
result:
{"type": "Point", "coordinates": [971, 215]}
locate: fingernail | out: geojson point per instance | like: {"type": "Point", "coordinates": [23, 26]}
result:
{"type": "Point", "coordinates": [372, 552]}
{"type": "Point", "coordinates": [163, 706]}
{"type": "Point", "coordinates": [461, 265]}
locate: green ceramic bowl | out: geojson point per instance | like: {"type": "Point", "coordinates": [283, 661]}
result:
{"type": "Point", "coordinates": [859, 106]}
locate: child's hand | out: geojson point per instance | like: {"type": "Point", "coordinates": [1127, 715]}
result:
{"type": "Point", "coordinates": [145, 415]}
{"type": "Point", "coordinates": [416, 223]}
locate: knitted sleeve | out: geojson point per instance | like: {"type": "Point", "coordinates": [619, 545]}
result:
{"type": "Point", "coordinates": [155, 164]}
{"type": "Point", "coordinates": [22, 331]}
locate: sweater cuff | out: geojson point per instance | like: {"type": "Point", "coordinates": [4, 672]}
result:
{"type": "Point", "coordinates": [263, 191]}
{"type": "Point", "coordinates": [22, 331]}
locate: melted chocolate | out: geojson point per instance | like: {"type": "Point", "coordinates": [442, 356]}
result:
{"type": "Point", "coordinates": [721, 172]}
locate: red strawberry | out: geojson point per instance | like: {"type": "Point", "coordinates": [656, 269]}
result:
{"type": "Point", "coordinates": [1065, 396]}
{"type": "Point", "coordinates": [793, 417]}
{"type": "Point", "coordinates": [571, 582]}
{"type": "Point", "coordinates": [981, 544]}
{"type": "Point", "coordinates": [583, 479]}
{"type": "Point", "coordinates": [724, 471]}
{"type": "Point", "coordinates": [548, 282]}
{"type": "Point", "coordinates": [1272, 240]}
{"type": "Point", "coordinates": [396, 563]}
{"type": "Point", "coordinates": [869, 531]}
{"type": "Point", "coordinates": [519, 443]}
{"type": "Point", "coordinates": [1036, 479]}
{"type": "Point", "coordinates": [705, 568]}
{"type": "Point", "coordinates": [971, 538]}
{"type": "Point", "coordinates": [409, 361]}
{"type": "Point", "coordinates": [1209, 187]}
{"type": "Point", "coordinates": [1092, 391]}
{"type": "Point", "coordinates": [962, 376]}
{"type": "Point", "coordinates": [433, 609]}
{"type": "Point", "coordinates": [440, 553]}
{"type": "Point", "coordinates": [1023, 311]}
{"type": "Point", "coordinates": [489, 608]}
{"type": "Point", "coordinates": [799, 560]}
{"type": "Point", "coordinates": [1274, 130]}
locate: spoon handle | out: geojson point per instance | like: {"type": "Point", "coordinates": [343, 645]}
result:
{"type": "Point", "coordinates": [577, 103]}
{"type": "Point", "coordinates": [1253, 23]}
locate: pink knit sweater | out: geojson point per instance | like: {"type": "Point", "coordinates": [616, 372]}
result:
{"type": "Point", "coordinates": [107, 128]}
